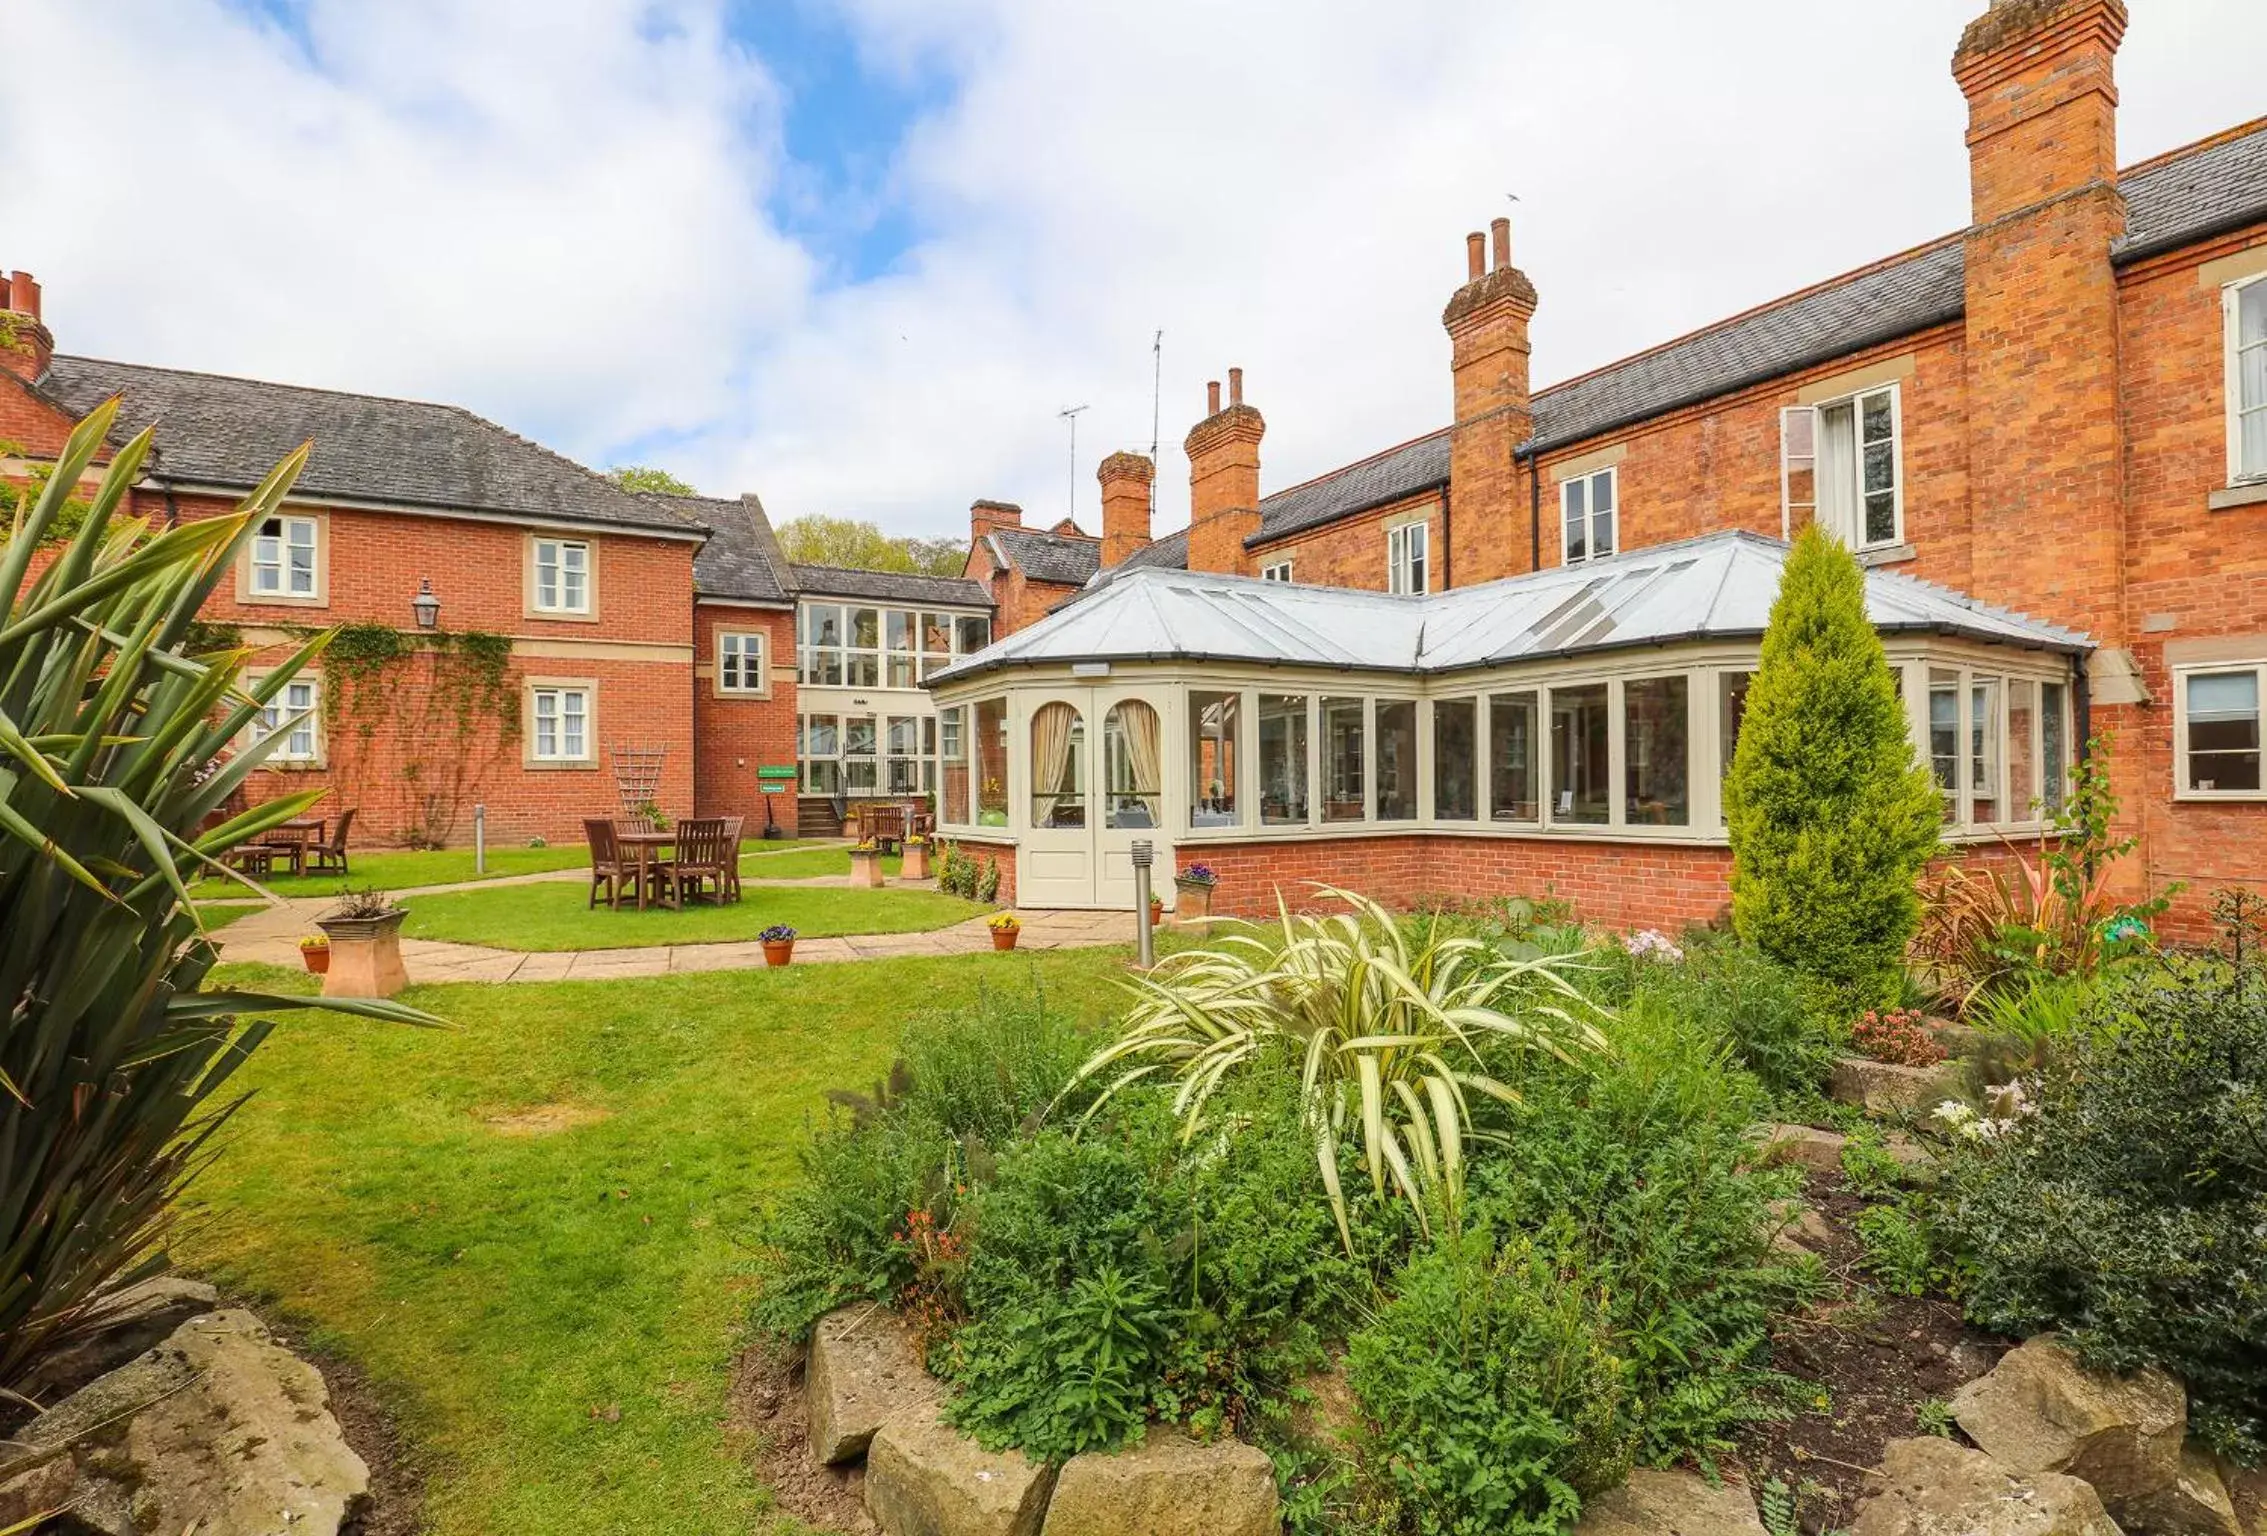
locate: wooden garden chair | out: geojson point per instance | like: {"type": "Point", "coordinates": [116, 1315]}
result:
{"type": "Point", "coordinates": [732, 826]}
{"type": "Point", "coordinates": [328, 856]}
{"type": "Point", "coordinates": [702, 856]}
{"type": "Point", "coordinates": [607, 867]}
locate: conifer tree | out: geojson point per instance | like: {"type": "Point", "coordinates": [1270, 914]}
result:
{"type": "Point", "coordinates": [1832, 814]}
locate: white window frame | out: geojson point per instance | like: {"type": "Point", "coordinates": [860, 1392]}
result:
{"type": "Point", "coordinates": [2181, 673]}
{"type": "Point", "coordinates": [1408, 558]}
{"type": "Point", "coordinates": [740, 662]}
{"type": "Point", "coordinates": [557, 694]}
{"type": "Point", "coordinates": [1280, 570]}
{"type": "Point", "coordinates": [1588, 480]}
{"type": "Point", "coordinates": [259, 570]}
{"type": "Point", "coordinates": [303, 743]}
{"type": "Point", "coordinates": [562, 568]}
{"type": "Point", "coordinates": [1855, 400]}
{"type": "Point", "coordinates": [2231, 302]}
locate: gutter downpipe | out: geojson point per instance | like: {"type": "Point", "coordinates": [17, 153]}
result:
{"type": "Point", "coordinates": [1526, 452]}
{"type": "Point", "coordinates": [1447, 540]}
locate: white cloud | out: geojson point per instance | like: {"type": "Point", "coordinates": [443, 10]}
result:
{"type": "Point", "coordinates": [554, 213]}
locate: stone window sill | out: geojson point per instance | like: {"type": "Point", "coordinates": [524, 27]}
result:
{"type": "Point", "coordinates": [2251, 495]}
{"type": "Point", "coordinates": [1888, 554]}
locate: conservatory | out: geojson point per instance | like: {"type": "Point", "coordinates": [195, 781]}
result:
{"type": "Point", "coordinates": [1549, 730]}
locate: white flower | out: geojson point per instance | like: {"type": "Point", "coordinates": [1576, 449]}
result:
{"type": "Point", "coordinates": [1651, 944]}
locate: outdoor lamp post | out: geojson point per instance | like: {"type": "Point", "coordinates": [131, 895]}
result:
{"type": "Point", "coordinates": [425, 605]}
{"type": "Point", "coordinates": [1144, 855]}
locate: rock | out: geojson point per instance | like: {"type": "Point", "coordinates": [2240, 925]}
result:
{"type": "Point", "coordinates": [2194, 1503]}
{"type": "Point", "coordinates": [1670, 1504]}
{"type": "Point", "coordinates": [122, 1325]}
{"type": "Point", "coordinates": [218, 1429]}
{"type": "Point", "coordinates": [1884, 1088]}
{"type": "Point", "coordinates": [925, 1478]}
{"type": "Point", "coordinates": [863, 1369]}
{"type": "Point", "coordinates": [2039, 1410]}
{"type": "Point", "coordinates": [1167, 1486]}
{"type": "Point", "coordinates": [1957, 1039]}
{"type": "Point", "coordinates": [40, 1491]}
{"type": "Point", "coordinates": [1797, 1228]}
{"type": "Point", "coordinates": [1937, 1488]}
{"type": "Point", "coordinates": [2247, 1491]}
{"type": "Point", "coordinates": [1805, 1147]}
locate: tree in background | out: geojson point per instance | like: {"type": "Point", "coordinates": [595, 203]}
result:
{"type": "Point", "coordinates": [642, 478]}
{"type": "Point", "coordinates": [1832, 814]}
{"type": "Point", "coordinates": [854, 545]}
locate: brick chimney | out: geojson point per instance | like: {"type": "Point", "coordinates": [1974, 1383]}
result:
{"type": "Point", "coordinates": [2044, 430]}
{"type": "Point", "coordinates": [28, 345]}
{"type": "Point", "coordinates": [1127, 479]}
{"type": "Point", "coordinates": [984, 516]}
{"type": "Point", "coordinates": [1223, 452]}
{"type": "Point", "coordinates": [1486, 321]}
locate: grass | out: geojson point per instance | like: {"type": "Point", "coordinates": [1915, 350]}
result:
{"type": "Point", "coordinates": [218, 916]}
{"type": "Point", "coordinates": [552, 1318]}
{"type": "Point", "coordinates": [556, 916]}
{"type": "Point", "coordinates": [401, 869]}
{"type": "Point", "coordinates": [808, 863]}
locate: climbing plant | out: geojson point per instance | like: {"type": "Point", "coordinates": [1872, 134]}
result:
{"type": "Point", "coordinates": [446, 734]}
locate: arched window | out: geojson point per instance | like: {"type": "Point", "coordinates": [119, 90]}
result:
{"type": "Point", "coordinates": [1133, 765]}
{"type": "Point", "coordinates": [1058, 766]}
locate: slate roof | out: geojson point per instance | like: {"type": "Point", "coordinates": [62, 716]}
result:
{"type": "Point", "coordinates": [736, 562]}
{"type": "Point", "coordinates": [1046, 556]}
{"type": "Point", "coordinates": [888, 586]}
{"type": "Point", "coordinates": [2189, 195]}
{"type": "Point", "coordinates": [1719, 586]}
{"type": "Point", "coordinates": [221, 431]}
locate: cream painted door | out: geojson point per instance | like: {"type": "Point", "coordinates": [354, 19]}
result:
{"type": "Point", "coordinates": [1095, 769]}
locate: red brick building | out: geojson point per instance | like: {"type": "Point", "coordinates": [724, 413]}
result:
{"type": "Point", "coordinates": [2058, 412]}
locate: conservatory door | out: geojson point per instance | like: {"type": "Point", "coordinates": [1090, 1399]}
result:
{"type": "Point", "coordinates": [1095, 766]}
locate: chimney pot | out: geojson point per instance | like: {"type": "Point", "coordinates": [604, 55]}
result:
{"type": "Point", "coordinates": [1212, 398]}
{"type": "Point", "coordinates": [1235, 386]}
{"type": "Point", "coordinates": [23, 294]}
{"type": "Point", "coordinates": [1501, 229]}
{"type": "Point", "coordinates": [1475, 254]}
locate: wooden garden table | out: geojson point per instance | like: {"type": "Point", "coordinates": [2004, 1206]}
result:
{"type": "Point", "coordinates": [648, 843]}
{"type": "Point", "coordinates": [293, 838]}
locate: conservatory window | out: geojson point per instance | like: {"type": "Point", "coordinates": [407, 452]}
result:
{"type": "Point", "coordinates": [1512, 781]}
{"type": "Point", "coordinates": [903, 761]}
{"type": "Point", "coordinates": [2219, 731]}
{"type": "Point", "coordinates": [860, 762]}
{"type": "Point", "coordinates": [1983, 750]}
{"type": "Point", "coordinates": [992, 763]}
{"type": "Point", "coordinates": [1133, 766]}
{"type": "Point", "coordinates": [1731, 714]}
{"type": "Point", "coordinates": [1397, 760]}
{"type": "Point", "coordinates": [1944, 738]}
{"type": "Point", "coordinates": [1456, 752]}
{"type": "Point", "coordinates": [820, 747]}
{"type": "Point", "coordinates": [2054, 747]}
{"type": "Point", "coordinates": [1214, 730]}
{"type": "Point", "coordinates": [1657, 752]}
{"type": "Point", "coordinates": [1058, 766]}
{"type": "Point", "coordinates": [1581, 737]}
{"type": "Point", "coordinates": [2022, 748]}
{"type": "Point", "coordinates": [1344, 793]}
{"type": "Point", "coordinates": [1283, 759]}
{"type": "Point", "coordinates": [952, 765]}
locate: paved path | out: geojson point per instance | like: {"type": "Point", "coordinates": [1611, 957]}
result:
{"type": "Point", "coordinates": [272, 935]}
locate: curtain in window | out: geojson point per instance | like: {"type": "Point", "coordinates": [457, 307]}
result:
{"type": "Point", "coordinates": [1144, 754]}
{"type": "Point", "coordinates": [1837, 472]}
{"type": "Point", "coordinates": [1051, 769]}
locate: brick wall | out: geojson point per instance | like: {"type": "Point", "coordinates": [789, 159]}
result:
{"type": "Point", "coordinates": [1351, 552]}
{"type": "Point", "coordinates": [733, 735]}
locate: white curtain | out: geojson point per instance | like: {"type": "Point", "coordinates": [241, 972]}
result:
{"type": "Point", "coordinates": [1838, 472]}
{"type": "Point", "coordinates": [1051, 768]}
{"type": "Point", "coordinates": [1137, 722]}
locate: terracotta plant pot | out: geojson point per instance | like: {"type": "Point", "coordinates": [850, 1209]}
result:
{"type": "Point", "coordinates": [866, 871]}
{"type": "Point", "coordinates": [1004, 938]}
{"type": "Point", "coordinates": [916, 866]}
{"type": "Point", "coordinates": [779, 951]}
{"type": "Point", "coordinates": [365, 955]}
{"type": "Point", "coordinates": [1156, 911]}
{"type": "Point", "coordinates": [316, 958]}
{"type": "Point", "coordinates": [1196, 898]}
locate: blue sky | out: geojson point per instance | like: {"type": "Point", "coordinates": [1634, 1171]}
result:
{"type": "Point", "coordinates": [856, 255]}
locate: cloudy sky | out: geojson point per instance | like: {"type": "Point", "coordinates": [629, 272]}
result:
{"type": "Point", "coordinates": [856, 255]}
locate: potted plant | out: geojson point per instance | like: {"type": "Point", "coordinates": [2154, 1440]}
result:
{"type": "Point", "coordinates": [364, 934]}
{"type": "Point", "coordinates": [1005, 927]}
{"type": "Point", "coordinates": [1195, 884]}
{"type": "Point", "coordinates": [1156, 910]}
{"type": "Point", "coordinates": [866, 865]}
{"type": "Point", "coordinates": [916, 865]}
{"type": "Point", "coordinates": [779, 944]}
{"type": "Point", "coordinates": [315, 953]}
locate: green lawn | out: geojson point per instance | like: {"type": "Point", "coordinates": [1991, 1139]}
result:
{"type": "Point", "coordinates": [219, 916]}
{"type": "Point", "coordinates": [555, 915]}
{"type": "Point", "coordinates": [807, 863]}
{"type": "Point", "coordinates": [401, 869]}
{"type": "Point", "coordinates": [508, 1294]}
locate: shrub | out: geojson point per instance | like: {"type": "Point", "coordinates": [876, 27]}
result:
{"type": "Point", "coordinates": [1769, 1016]}
{"type": "Point", "coordinates": [120, 739]}
{"type": "Point", "coordinates": [1899, 1036]}
{"type": "Point", "coordinates": [1831, 816]}
{"type": "Point", "coordinates": [2124, 1205]}
{"type": "Point", "coordinates": [1384, 1027]}
{"type": "Point", "coordinates": [1897, 1247]}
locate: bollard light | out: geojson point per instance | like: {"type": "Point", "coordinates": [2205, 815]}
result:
{"type": "Point", "coordinates": [1144, 855]}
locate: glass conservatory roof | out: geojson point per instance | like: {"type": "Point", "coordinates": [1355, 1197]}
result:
{"type": "Point", "coordinates": [1717, 587]}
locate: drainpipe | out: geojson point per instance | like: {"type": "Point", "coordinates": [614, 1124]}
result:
{"type": "Point", "coordinates": [1526, 454]}
{"type": "Point", "coordinates": [2082, 704]}
{"type": "Point", "coordinates": [1447, 544]}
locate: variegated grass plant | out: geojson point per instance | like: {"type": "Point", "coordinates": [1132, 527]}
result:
{"type": "Point", "coordinates": [1390, 1030]}
{"type": "Point", "coordinates": [116, 746]}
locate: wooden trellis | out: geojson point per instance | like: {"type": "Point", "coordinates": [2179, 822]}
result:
{"type": "Point", "coordinates": [637, 775]}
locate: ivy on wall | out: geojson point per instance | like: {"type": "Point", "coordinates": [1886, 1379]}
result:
{"type": "Point", "coordinates": [459, 720]}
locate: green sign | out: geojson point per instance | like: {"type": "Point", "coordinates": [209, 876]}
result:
{"type": "Point", "coordinates": [776, 771]}
{"type": "Point", "coordinates": [774, 787]}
